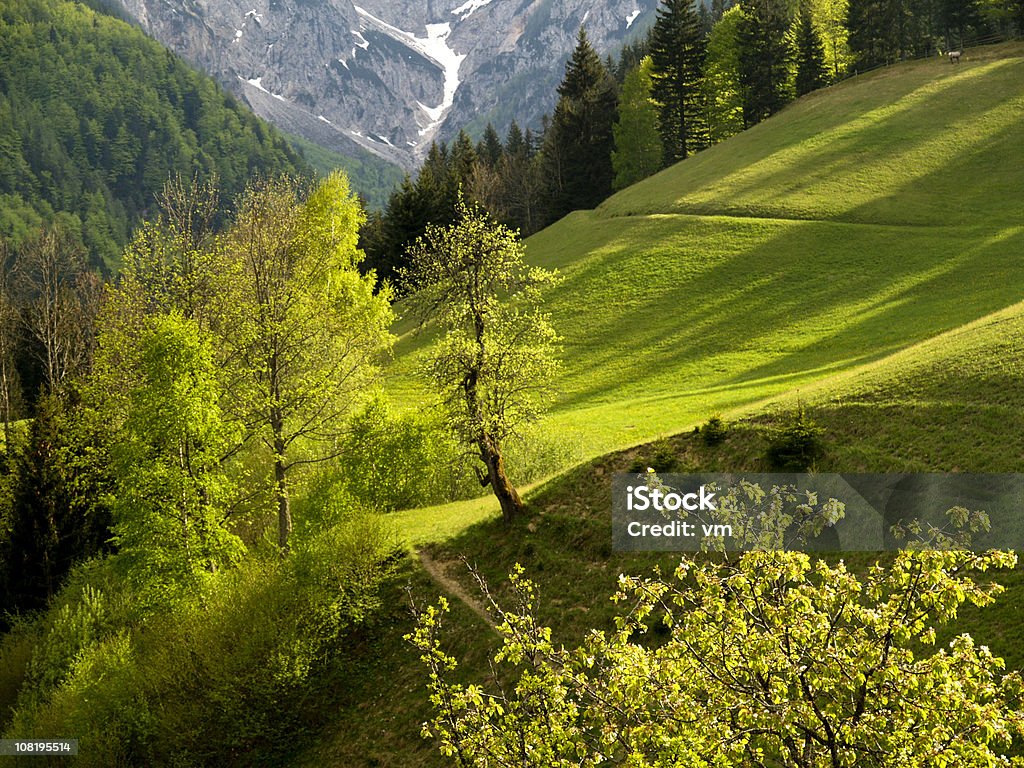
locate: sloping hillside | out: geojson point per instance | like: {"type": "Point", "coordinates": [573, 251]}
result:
{"type": "Point", "coordinates": [864, 218]}
{"type": "Point", "coordinates": [858, 256]}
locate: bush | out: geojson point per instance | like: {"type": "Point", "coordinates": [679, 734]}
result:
{"type": "Point", "coordinates": [659, 456]}
{"type": "Point", "coordinates": [392, 461]}
{"type": "Point", "coordinates": [217, 681]}
{"type": "Point", "coordinates": [714, 431]}
{"type": "Point", "coordinates": [797, 447]}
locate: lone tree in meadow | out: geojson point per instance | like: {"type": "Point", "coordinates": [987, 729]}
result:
{"type": "Point", "coordinates": [494, 362]}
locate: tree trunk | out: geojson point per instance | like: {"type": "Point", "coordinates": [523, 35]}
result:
{"type": "Point", "coordinates": [508, 497]}
{"type": "Point", "coordinates": [284, 509]}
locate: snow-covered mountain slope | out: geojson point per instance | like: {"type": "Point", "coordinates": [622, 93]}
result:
{"type": "Point", "coordinates": [389, 75]}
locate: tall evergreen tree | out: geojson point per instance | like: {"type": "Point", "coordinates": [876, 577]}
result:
{"type": "Point", "coordinates": [811, 72]}
{"type": "Point", "coordinates": [463, 158]}
{"type": "Point", "coordinates": [677, 55]}
{"type": "Point", "coordinates": [515, 142]}
{"type": "Point", "coordinates": [885, 31]}
{"type": "Point", "coordinates": [489, 148]}
{"type": "Point", "coordinates": [765, 58]}
{"type": "Point", "coordinates": [578, 144]}
{"type": "Point", "coordinates": [955, 17]}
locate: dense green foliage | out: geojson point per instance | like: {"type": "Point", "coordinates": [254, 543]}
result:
{"type": "Point", "coordinates": [94, 116]}
{"type": "Point", "coordinates": [769, 660]}
{"type": "Point", "coordinates": [221, 680]}
{"type": "Point", "coordinates": [225, 359]}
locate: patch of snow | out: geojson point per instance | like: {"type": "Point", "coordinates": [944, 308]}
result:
{"type": "Point", "coordinates": [631, 18]}
{"type": "Point", "coordinates": [466, 10]}
{"type": "Point", "coordinates": [256, 82]}
{"type": "Point", "coordinates": [435, 48]}
{"type": "Point", "coordinates": [257, 17]}
{"type": "Point", "coordinates": [585, 17]}
{"type": "Point", "coordinates": [434, 113]}
{"type": "Point", "coordinates": [238, 33]}
{"type": "Point", "coordinates": [361, 41]}
{"type": "Point", "coordinates": [343, 62]}
{"type": "Point", "coordinates": [411, 143]}
{"type": "Point", "coordinates": [321, 117]}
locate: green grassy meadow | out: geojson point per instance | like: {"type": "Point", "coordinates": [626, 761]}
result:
{"type": "Point", "coordinates": [860, 256]}
{"type": "Point", "coordinates": [861, 220]}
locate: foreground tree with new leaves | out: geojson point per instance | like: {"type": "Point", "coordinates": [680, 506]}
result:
{"type": "Point", "coordinates": [496, 358]}
{"type": "Point", "coordinates": [771, 659]}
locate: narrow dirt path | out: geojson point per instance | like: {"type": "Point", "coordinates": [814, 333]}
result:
{"type": "Point", "coordinates": [438, 571]}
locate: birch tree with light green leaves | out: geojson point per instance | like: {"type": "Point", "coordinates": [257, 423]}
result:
{"type": "Point", "coordinates": [303, 331]}
{"type": "Point", "coordinates": [170, 485]}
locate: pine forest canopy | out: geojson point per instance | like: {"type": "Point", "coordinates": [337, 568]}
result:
{"type": "Point", "coordinates": [94, 118]}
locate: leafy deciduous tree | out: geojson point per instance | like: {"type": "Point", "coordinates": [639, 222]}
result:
{"type": "Point", "coordinates": [495, 361]}
{"type": "Point", "coordinates": [638, 151]}
{"type": "Point", "coordinates": [170, 480]}
{"type": "Point", "coordinates": [769, 659]}
{"type": "Point", "coordinates": [723, 90]}
{"type": "Point", "coordinates": [303, 328]}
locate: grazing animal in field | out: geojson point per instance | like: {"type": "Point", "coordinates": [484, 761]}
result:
{"type": "Point", "coordinates": [954, 57]}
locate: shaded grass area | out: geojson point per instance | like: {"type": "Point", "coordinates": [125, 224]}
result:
{"type": "Point", "coordinates": [379, 689]}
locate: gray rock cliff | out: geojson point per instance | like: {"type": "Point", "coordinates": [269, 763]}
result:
{"type": "Point", "coordinates": [389, 75]}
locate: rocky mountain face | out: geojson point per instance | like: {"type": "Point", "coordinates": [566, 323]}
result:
{"type": "Point", "coordinates": [389, 75]}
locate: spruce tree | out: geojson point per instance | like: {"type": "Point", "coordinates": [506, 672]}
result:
{"type": "Point", "coordinates": [886, 31]}
{"type": "Point", "coordinates": [489, 150]}
{"type": "Point", "coordinates": [811, 73]}
{"type": "Point", "coordinates": [515, 142]}
{"type": "Point", "coordinates": [578, 144]}
{"type": "Point", "coordinates": [463, 158]}
{"type": "Point", "coordinates": [765, 58]}
{"type": "Point", "coordinates": [677, 55]}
